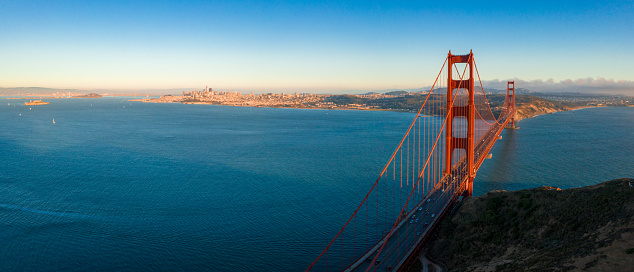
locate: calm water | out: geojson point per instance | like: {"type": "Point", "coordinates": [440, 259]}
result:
{"type": "Point", "coordinates": [127, 186]}
{"type": "Point", "coordinates": [566, 149]}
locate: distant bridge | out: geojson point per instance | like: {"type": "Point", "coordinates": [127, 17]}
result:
{"type": "Point", "coordinates": [432, 167]}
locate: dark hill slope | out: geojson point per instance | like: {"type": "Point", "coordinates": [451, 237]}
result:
{"type": "Point", "coordinates": [581, 229]}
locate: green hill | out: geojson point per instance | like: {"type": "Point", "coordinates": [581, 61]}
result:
{"type": "Point", "coordinates": [543, 229]}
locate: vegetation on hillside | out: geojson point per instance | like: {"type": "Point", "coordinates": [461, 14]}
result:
{"type": "Point", "coordinates": [540, 230]}
{"type": "Point", "coordinates": [406, 102]}
{"type": "Point", "coordinates": [90, 95]}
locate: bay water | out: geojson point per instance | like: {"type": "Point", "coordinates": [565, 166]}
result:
{"type": "Point", "coordinates": [113, 185]}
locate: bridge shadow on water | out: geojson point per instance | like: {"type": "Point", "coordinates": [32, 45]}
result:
{"type": "Point", "coordinates": [494, 172]}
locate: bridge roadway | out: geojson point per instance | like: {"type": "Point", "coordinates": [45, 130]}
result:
{"type": "Point", "coordinates": [426, 211]}
{"type": "Point", "coordinates": [418, 223]}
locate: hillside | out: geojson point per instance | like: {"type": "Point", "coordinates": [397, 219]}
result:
{"type": "Point", "coordinates": [90, 95]}
{"type": "Point", "coordinates": [529, 106]}
{"type": "Point", "coordinates": [543, 229]}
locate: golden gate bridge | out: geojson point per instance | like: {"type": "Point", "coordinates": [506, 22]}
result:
{"type": "Point", "coordinates": [432, 167]}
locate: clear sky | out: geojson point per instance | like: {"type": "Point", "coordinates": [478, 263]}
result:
{"type": "Point", "coordinates": [319, 46]}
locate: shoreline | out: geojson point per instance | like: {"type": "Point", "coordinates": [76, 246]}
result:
{"type": "Point", "coordinates": [539, 110]}
{"type": "Point", "coordinates": [271, 107]}
{"type": "Point", "coordinates": [571, 109]}
{"type": "Point", "coordinates": [586, 107]}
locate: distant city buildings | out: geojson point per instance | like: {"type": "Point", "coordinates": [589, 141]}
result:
{"type": "Point", "coordinates": [209, 96]}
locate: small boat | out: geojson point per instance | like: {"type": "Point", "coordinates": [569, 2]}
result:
{"type": "Point", "coordinates": [53, 120]}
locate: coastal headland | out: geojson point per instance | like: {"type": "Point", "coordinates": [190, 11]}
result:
{"type": "Point", "coordinates": [541, 229]}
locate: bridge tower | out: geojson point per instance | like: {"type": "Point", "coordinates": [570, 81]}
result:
{"type": "Point", "coordinates": [510, 94]}
{"type": "Point", "coordinates": [468, 112]}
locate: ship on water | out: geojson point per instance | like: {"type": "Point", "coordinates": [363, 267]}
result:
{"type": "Point", "coordinates": [36, 102]}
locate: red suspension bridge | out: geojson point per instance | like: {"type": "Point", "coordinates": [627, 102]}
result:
{"type": "Point", "coordinates": [432, 167]}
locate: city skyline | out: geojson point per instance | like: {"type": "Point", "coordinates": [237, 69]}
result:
{"type": "Point", "coordinates": [321, 47]}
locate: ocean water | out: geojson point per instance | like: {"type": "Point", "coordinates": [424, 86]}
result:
{"type": "Point", "coordinates": [565, 149]}
{"type": "Point", "coordinates": [114, 185]}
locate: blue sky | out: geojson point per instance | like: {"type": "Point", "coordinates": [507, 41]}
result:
{"type": "Point", "coordinates": [318, 46]}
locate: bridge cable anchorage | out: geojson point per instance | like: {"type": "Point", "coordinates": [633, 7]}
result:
{"type": "Point", "coordinates": [398, 219]}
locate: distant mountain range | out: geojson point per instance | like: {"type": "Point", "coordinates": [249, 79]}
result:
{"type": "Point", "coordinates": [36, 91]}
{"type": "Point", "coordinates": [47, 91]}
{"type": "Point", "coordinates": [401, 92]}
